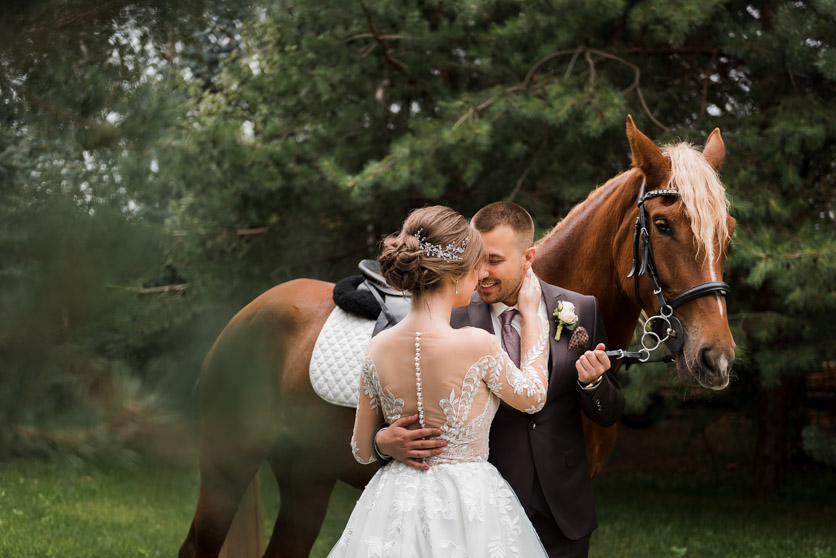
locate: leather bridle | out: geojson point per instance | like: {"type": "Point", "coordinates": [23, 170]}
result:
{"type": "Point", "coordinates": [663, 326]}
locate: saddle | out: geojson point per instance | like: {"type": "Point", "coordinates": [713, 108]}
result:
{"type": "Point", "coordinates": [366, 305]}
{"type": "Point", "coordinates": [368, 296]}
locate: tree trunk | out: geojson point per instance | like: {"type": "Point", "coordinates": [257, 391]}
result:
{"type": "Point", "coordinates": [771, 446]}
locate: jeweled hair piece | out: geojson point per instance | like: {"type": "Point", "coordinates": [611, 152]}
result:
{"type": "Point", "coordinates": [450, 253]}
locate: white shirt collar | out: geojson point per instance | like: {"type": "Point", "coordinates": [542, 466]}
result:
{"type": "Point", "coordinates": [498, 308]}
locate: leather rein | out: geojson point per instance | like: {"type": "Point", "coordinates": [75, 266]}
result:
{"type": "Point", "coordinates": [662, 327]}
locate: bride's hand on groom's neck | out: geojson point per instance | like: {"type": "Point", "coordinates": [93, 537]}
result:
{"type": "Point", "coordinates": [528, 300]}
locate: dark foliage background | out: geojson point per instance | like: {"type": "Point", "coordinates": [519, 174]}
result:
{"type": "Point", "coordinates": [161, 164]}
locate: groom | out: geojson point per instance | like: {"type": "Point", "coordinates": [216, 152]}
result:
{"type": "Point", "coordinates": [542, 456]}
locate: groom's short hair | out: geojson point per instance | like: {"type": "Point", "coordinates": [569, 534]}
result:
{"type": "Point", "coordinates": [506, 213]}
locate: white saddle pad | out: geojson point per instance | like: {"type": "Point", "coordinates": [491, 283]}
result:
{"type": "Point", "coordinates": [338, 356]}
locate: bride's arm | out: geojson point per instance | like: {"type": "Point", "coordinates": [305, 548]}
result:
{"type": "Point", "coordinates": [369, 415]}
{"type": "Point", "coordinates": [524, 388]}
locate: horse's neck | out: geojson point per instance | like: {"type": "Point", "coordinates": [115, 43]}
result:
{"type": "Point", "coordinates": [581, 254]}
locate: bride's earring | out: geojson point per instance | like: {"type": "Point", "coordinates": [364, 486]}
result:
{"type": "Point", "coordinates": [457, 286]}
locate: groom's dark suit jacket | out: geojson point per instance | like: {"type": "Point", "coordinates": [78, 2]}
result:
{"type": "Point", "coordinates": [543, 456]}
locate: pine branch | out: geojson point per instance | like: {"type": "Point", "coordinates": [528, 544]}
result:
{"type": "Point", "coordinates": [175, 288]}
{"type": "Point", "coordinates": [545, 59]}
{"type": "Point", "coordinates": [591, 63]}
{"type": "Point", "coordinates": [252, 232]}
{"type": "Point", "coordinates": [588, 53]}
{"type": "Point", "coordinates": [530, 166]}
{"type": "Point", "coordinates": [80, 18]}
{"type": "Point", "coordinates": [669, 51]}
{"type": "Point", "coordinates": [89, 124]}
{"type": "Point", "coordinates": [387, 54]}
{"type": "Point", "coordinates": [372, 36]}
{"type": "Point", "coordinates": [635, 84]}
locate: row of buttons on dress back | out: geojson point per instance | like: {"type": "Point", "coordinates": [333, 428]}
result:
{"type": "Point", "coordinates": [418, 378]}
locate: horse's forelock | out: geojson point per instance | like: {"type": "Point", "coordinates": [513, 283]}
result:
{"type": "Point", "coordinates": [702, 194]}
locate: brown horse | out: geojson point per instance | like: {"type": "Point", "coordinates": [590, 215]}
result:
{"type": "Point", "coordinates": [257, 403]}
{"type": "Point", "coordinates": [592, 251]}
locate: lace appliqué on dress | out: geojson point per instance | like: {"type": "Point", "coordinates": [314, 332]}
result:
{"type": "Point", "coordinates": [527, 378]}
{"type": "Point", "coordinates": [392, 406]}
{"type": "Point", "coordinates": [467, 441]}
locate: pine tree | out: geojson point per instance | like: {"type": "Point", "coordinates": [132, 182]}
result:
{"type": "Point", "coordinates": [348, 116]}
{"type": "Point", "coordinates": [282, 139]}
{"type": "Point", "coordinates": [88, 96]}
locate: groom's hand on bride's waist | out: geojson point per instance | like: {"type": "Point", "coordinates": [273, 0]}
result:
{"type": "Point", "coordinates": [407, 445]}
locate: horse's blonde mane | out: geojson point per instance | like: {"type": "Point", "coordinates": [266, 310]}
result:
{"type": "Point", "coordinates": [702, 194]}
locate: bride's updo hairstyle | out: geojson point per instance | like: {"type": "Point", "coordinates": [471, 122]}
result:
{"type": "Point", "coordinates": [434, 243]}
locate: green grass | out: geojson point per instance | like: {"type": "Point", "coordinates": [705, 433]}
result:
{"type": "Point", "coordinates": [145, 510]}
{"type": "Point", "coordinates": [59, 510]}
{"type": "Point", "coordinates": [712, 517]}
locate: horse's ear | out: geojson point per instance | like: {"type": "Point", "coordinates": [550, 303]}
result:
{"type": "Point", "coordinates": [646, 156]}
{"type": "Point", "coordinates": [715, 150]}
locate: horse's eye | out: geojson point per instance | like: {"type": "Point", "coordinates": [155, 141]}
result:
{"type": "Point", "coordinates": [662, 226]}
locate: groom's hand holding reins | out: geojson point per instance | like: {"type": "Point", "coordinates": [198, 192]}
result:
{"type": "Point", "coordinates": [591, 366]}
{"type": "Point", "coordinates": [409, 446]}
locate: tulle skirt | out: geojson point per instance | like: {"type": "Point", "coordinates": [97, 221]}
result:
{"type": "Point", "coordinates": [462, 510]}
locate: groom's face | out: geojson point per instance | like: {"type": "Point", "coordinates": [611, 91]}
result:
{"type": "Point", "coordinates": [508, 260]}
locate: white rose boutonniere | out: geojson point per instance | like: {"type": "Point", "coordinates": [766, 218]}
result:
{"type": "Point", "coordinates": [566, 317]}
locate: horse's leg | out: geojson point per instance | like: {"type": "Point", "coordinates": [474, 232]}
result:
{"type": "Point", "coordinates": [240, 422]}
{"type": "Point", "coordinates": [304, 490]}
{"type": "Point", "coordinates": [599, 443]}
{"type": "Point", "coordinates": [307, 462]}
{"type": "Point", "coordinates": [220, 491]}
{"type": "Point", "coordinates": [226, 469]}
{"type": "Point", "coordinates": [189, 547]}
{"type": "Point", "coordinates": [246, 533]}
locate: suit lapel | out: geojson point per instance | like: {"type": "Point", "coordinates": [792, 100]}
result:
{"type": "Point", "coordinates": [558, 350]}
{"type": "Point", "coordinates": [479, 314]}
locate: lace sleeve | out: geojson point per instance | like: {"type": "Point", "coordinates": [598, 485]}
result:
{"type": "Point", "coordinates": [368, 416]}
{"type": "Point", "coordinates": [523, 388]}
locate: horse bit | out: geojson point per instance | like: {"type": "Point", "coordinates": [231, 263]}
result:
{"type": "Point", "coordinates": [664, 322]}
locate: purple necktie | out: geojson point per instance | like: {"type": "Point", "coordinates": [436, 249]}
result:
{"type": "Point", "coordinates": [510, 336]}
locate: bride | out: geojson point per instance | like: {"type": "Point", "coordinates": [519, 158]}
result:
{"type": "Point", "coordinates": [457, 505]}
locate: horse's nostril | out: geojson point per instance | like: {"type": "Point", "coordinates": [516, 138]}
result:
{"type": "Point", "coordinates": [705, 358]}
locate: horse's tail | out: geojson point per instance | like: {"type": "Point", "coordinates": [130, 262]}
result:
{"type": "Point", "coordinates": [245, 537]}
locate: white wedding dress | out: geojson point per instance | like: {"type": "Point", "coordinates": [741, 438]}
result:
{"type": "Point", "coordinates": [461, 507]}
